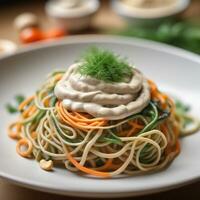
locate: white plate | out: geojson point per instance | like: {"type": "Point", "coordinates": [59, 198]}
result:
{"type": "Point", "coordinates": [174, 70]}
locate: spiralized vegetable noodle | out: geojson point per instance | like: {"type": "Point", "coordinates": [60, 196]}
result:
{"type": "Point", "coordinates": [141, 142]}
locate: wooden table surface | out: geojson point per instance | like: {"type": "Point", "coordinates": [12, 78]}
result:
{"type": "Point", "coordinates": [104, 20]}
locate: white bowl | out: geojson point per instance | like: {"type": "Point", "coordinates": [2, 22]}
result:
{"type": "Point", "coordinates": [72, 19]}
{"type": "Point", "coordinates": [142, 15]}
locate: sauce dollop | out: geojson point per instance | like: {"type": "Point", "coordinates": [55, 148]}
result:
{"type": "Point", "coordinates": [112, 101]}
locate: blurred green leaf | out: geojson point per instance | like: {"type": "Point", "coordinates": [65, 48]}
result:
{"type": "Point", "coordinates": [183, 34]}
{"type": "Point", "coordinates": [11, 109]}
{"type": "Point", "coordinates": [19, 98]}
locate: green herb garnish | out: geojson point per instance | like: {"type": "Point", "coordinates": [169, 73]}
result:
{"type": "Point", "coordinates": [14, 108]}
{"type": "Point", "coordinates": [104, 65]}
{"type": "Point", "coordinates": [181, 108]}
{"type": "Point", "coordinates": [19, 98]}
{"type": "Point", "coordinates": [11, 109]}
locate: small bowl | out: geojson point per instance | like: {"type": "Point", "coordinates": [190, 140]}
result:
{"type": "Point", "coordinates": [72, 19]}
{"type": "Point", "coordinates": [136, 15]}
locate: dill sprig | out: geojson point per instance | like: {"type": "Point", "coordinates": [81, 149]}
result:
{"type": "Point", "coordinates": [104, 65]}
{"type": "Point", "coordinates": [13, 108]}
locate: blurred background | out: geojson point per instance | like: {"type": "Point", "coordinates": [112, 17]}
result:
{"type": "Point", "coordinates": [27, 22]}
{"type": "Point", "coordinates": [176, 22]}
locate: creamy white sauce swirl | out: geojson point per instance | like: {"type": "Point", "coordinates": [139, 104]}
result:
{"type": "Point", "coordinates": [100, 99]}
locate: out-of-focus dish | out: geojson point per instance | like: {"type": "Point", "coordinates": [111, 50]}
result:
{"type": "Point", "coordinates": [31, 66]}
{"type": "Point", "coordinates": [73, 15]}
{"type": "Point", "coordinates": [141, 11]}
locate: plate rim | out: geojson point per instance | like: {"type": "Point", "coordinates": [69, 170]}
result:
{"type": "Point", "coordinates": [108, 39]}
{"type": "Point", "coordinates": [105, 38]}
